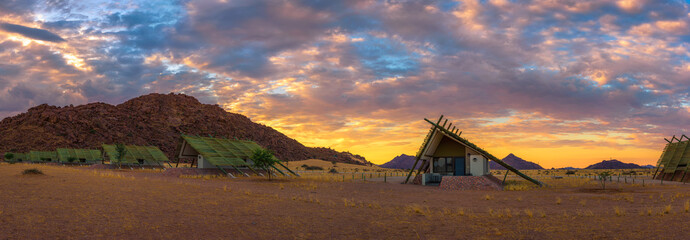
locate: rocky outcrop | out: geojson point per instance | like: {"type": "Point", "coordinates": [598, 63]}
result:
{"type": "Point", "coordinates": [613, 164]}
{"type": "Point", "coordinates": [400, 162]}
{"type": "Point", "coordinates": [154, 119]}
{"type": "Point", "coordinates": [516, 162]}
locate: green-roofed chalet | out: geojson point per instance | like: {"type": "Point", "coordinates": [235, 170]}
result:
{"type": "Point", "coordinates": [444, 153]}
{"type": "Point", "coordinates": [18, 157]}
{"type": "Point", "coordinates": [88, 156]}
{"type": "Point", "coordinates": [210, 152]}
{"type": "Point", "coordinates": [674, 160]}
{"type": "Point", "coordinates": [43, 156]}
{"type": "Point", "coordinates": [136, 155]}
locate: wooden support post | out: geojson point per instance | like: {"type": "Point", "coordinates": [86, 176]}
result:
{"type": "Point", "coordinates": [673, 176]}
{"type": "Point", "coordinates": [240, 171]}
{"type": "Point", "coordinates": [226, 173]}
{"type": "Point", "coordinates": [683, 178]}
{"type": "Point", "coordinates": [286, 168]}
{"type": "Point", "coordinates": [426, 143]}
{"type": "Point", "coordinates": [257, 173]}
{"type": "Point", "coordinates": [504, 177]}
{"type": "Point", "coordinates": [281, 172]}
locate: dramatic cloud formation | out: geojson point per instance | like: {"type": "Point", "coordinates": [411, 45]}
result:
{"type": "Point", "coordinates": [563, 83]}
{"type": "Point", "coordinates": [35, 33]}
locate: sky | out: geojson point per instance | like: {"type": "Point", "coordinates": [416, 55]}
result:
{"type": "Point", "coordinates": [559, 83]}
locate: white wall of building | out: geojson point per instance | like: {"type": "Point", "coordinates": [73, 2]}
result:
{"type": "Point", "coordinates": [478, 165]}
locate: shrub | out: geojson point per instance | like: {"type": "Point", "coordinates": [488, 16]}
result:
{"type": "Point", "coordinates": [333, 170]}
{"type": "Point", "coordinates": [32, 171]}
{"type": "Point", "coordinates": [313, 168]}
{"type": "Point", "coordinates": [570, 172]}
{"type": "Point", "coordinates": [264, 159]}
{"type": "Point", "coordinates": [603, 176]}
{"type": "Point", "coordinates": [71, 159]}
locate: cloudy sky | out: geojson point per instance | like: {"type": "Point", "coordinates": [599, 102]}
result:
{"type": "Point", "coordinates": [560, 83]}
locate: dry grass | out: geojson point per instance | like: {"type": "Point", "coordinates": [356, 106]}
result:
{"type": "Point", "coordinates": [618, 211]}
{"type": "Point", "coordinates": [137, 204]}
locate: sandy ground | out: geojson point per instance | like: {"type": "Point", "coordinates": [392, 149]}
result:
{"type": "Point", "coordinates": [78, 203]}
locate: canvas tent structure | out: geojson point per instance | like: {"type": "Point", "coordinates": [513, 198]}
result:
{"type": "Point", "coordinates": [222, 153]}
{"type": "Point", "coordinates": [445, 153]}
{"type": "Point", "coordinates": [136, 155]}
{"type": "Point", "coordinates": [87, 156]}
{"type": "Point", "coordinates": [43, 156]}
{"type": "Point", "coordinates": [17, 157]}
{"type": "Point", "coordinates": [674, 160]}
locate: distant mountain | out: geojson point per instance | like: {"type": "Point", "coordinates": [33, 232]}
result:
{"type": "Point", "coordinates": [515, 162]}
{"type": "Point", "coordinates": [613, 164]}
{"type": "Point", "coordinates": [648, 166]}
{"type": "Point", "coordinates": [569, 168]}
{"type": "Point", "coordinates": [400, 162]}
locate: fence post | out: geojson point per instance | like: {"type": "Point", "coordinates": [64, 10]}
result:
{"type": "Point", "coordinates": [643, 182]}
{"type": "Point", "coordinates": [384, 177]}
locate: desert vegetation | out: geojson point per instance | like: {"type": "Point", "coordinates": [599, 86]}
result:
{"type": "Point", "coordinates": [148, 205]}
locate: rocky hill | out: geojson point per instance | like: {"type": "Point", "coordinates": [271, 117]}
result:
{"type": "Point", "coordinates": [613, 164]}
{"type": "Point", "coordinates": [515, 162]}
{"type": "Point", "coordinates": [154, 119]}
{"type": "Point", "coordinates": [400, 162]}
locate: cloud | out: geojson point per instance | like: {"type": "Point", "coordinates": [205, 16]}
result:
{"type": "Point", "coordinates": [360, 75]}
{"type": "Point", "coordinates": [35, 33]}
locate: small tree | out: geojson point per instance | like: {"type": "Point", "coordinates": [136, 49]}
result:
{"type": "Point", "coordinates": [264, 159]}
{"type": "Point", "coordinates": [71, 159]}
{"type": "Point", "coordinates": [120, 152]}
{"type": "Point", "coordinates": [602, 178]}
{"type": "Point", "coordinates": [9, 157]}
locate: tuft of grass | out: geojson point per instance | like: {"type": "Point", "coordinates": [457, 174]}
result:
{"type": "Point", "coordinates": [417, 209]}
{"type": "Point", "coordinates": [558, 200]}
{"type": "Point", "coordinates": [687, 206]}
{"type": "Point", "coordinates": [488, 197]}
{"type": "Point", "coordinates": [583, 202]}
{"type": "Point", "coordinates": [619, 212]}
{"type": "Point", "coordinates": [629, 198]}
{"type": "Point", "coordinates": [667, 209]}
{"type": "Point", "coordinates": [513, 185]}
{"type": "Point", "coordinates": [32, 171]}
{"type": "Point", "coordinates": [529, 213]}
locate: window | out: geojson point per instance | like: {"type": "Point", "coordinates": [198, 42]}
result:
{"type": "Point", "coordinates": [443, 165]}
